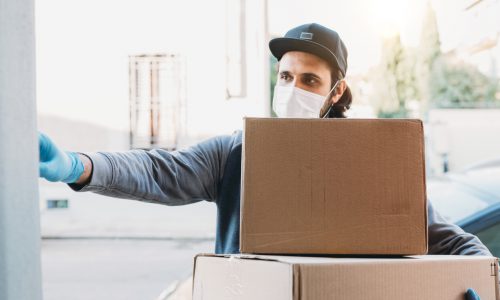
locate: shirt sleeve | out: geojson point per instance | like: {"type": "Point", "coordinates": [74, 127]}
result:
{"type": "Point", "coordinates": [161, 176]}
{"type": "Point", "coordinates": [447, 238]}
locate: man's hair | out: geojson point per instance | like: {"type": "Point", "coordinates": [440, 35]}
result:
{"type": "Point", "coordinates": [338, 110]}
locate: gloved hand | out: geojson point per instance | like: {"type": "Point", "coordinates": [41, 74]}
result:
{"type": "Point", "coordinates": [471, 295]}
{"type": "Point", "coordinates": [57, 165]}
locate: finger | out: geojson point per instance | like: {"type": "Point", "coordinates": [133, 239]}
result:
{"type": "Point", "coordinates": [471, 295]}
{"type": "Point", "coordinates": [46, 147]}
{"type": "Point", "coordinates": [43, 142]}
{"type": "Point", "coordinates": [45, 171]}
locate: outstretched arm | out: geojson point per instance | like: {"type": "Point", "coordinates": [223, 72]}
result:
{"type": "Point", "coordinates": [167, 177]}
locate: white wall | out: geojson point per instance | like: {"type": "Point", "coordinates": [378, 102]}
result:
{"type": "Point", "coordinates": [467, 135]}
{"type": "Point", "coordinates": [20, 274]}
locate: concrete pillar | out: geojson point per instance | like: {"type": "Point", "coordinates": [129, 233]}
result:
{"type": "Point", "coordinates": [20, 271]}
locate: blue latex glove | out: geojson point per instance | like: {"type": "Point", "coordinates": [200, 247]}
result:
{"type": "Point", "coordinates": [57, 165]}
{"type": "Point", "coordinates": [471, 295]}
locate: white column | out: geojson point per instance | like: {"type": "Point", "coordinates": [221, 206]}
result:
{"type": "Point", "coordinates": [20, 271]}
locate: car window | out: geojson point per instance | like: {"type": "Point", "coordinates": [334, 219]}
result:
{"type": "Point", "coordinates": [486, 179]}
{"type": "Point", "coordinates": [491, 238]}
{"type": "Point", "coordinates": [454, 202]}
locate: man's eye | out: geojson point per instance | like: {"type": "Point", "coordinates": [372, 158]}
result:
{"type": "Point", "coordinates": [310, 81]}
{"type": "Point", "coordinates": [285, 77]}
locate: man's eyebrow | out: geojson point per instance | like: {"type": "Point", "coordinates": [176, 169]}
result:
{"type": "Point", "coordinates": [312, 75]}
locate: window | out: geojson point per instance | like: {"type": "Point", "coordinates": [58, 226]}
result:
{"type": "Point", "coordinates": [491, 238]}
{"type": "Point", "coordinates": [157, 101]}
{"type": "Point", "coordinates": [57, 203]}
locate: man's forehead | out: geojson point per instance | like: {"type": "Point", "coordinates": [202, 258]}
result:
{"type": "Point", "coordinates": [303, 62]}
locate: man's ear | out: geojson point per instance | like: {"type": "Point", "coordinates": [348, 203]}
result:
{"type": "Point", "coordinates": [334, 97]}
{"type": "Point", "coordinates": [339, 91]}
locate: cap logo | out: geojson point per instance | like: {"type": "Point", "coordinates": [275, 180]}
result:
{"type": "Point", "coordinates": [306, 36]}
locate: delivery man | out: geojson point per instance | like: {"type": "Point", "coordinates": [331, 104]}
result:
{"type": "Point", "coordinates": [312, 67]}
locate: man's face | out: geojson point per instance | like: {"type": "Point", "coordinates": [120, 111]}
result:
{"type": "Point", "coordinates": [311, 73]}
{"type": "Point", "coordinates": [305, 71]}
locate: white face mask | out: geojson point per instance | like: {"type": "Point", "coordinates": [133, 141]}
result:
{"type": "Point", "coordinates": [292, 102]}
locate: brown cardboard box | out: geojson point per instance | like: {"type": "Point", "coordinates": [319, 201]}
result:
{"type": "Point", "coordinates": [337, 186]}
{"type": "Point", "coordinates": [440, 277]}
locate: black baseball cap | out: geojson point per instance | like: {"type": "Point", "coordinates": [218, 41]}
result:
{"type": "Point", "coordinates": [315, 39]}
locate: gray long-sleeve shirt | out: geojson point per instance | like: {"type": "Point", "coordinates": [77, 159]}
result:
{"type": "Point", "coordinates": [211, 171]}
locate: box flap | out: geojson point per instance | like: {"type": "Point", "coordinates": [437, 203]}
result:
{"type": "Point", "coordinates": [220, 277]}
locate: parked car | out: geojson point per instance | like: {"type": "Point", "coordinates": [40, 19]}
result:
{"type": "Point", "coordinates": [471, 199]}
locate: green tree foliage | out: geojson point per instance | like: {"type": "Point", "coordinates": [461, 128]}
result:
{"type": "Point", "coordinates": [426, 76]}
{"type": "Point", "coordinates": [459, 85]}
{"type": "Point", "coordinates": [429, 51]}
{"type": "Point", "coordinates": [394, 79]}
